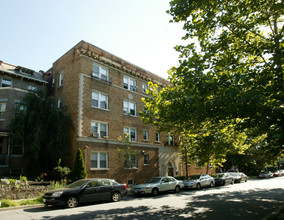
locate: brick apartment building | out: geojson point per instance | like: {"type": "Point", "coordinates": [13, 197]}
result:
{"type": "Point", "coordinates": [15, 83]}
{"type": "Point", "coordinates": [103, 95]}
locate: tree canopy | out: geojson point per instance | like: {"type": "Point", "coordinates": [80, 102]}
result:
{"type": "Point", "coordinates": [230, 75]}
{"type": "Point", "coordinates": [39, 126]}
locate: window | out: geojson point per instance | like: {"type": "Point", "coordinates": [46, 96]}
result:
{"type": "Point", "coordinates": [20, 108]}
{"type": "Point", "coordinates": [146, 159]}
{"type": "Point", "coordinates": [6, 82]}
{"type": "Point", "coordinates": [18, 149]}
{"type": "Point", "coordinates": [129, 108]}
{"type": "Point", "coordinates": [61, 78]}
{"type": "Point", "coordinates": [100, 72]}
{"type": "Point", "coordinates": [130, 161]}
{"type": "Point", "coordinates": [32, 88]}
{"type": "Point", "coordinates": [145, 135]}
{"type": "Point", "coordinates": [144, 87]}
{"type": "Point", "coordinates": [59, 103]}
{"type": "Point", "coordinates": [99, 160]}
{"type": "Point", "coordinates": [131, 132]}
{"type": "Point", "coordinates": [99, 129]}
{"type": "Point", "coordinates": [170, 139]}
{"type": "Point", "coordinates": [2, 110]}
{"type": "Point", "coordinates": [99, 100]}
{"type": "Point", "coordinates": [129, 83]}
{"type": "Point", "coordinates": [157, 137]}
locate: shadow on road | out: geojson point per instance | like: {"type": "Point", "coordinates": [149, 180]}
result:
{"type": "Point", "coordinates": [252, 204]}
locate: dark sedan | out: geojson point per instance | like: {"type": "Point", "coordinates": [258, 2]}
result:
{"type": "Point", "coordinates": [239, 177]}
{"type": "Point", "coordinates": [86, 190]}
{"type": "Point", "coordinates": [221, 179]}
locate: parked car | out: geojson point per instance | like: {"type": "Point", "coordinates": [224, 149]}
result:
{"type": "Point", "coordinates": [281, 172]}
{"type": "Point", "coordinates": [277, 173]}
{"type": "Point", "coordinates": [86, 190]}
{"type": "Point", "coordinates": [239, 177]}
{"type": "Point", "coordinates": [265, 174]}
{"type": "Point", "coordinates": [199, 181]}
{"type": "Point", "coordinates": [155, 185]}
{"type": "Point", "coordinates": [221, 179]}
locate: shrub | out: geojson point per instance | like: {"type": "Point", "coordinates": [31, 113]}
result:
{"type": "Point", "coordinates": [79, 170]}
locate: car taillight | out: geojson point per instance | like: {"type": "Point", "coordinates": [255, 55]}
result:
{"type": "Point", "coordinates": [125, 185]}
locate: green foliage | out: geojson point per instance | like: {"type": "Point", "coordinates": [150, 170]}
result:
{"type": "Point", "coordinates": [23, 179]}
{"type": "Point", "coordinates": [60, 173]}
{"type": "Point", "coordinates": [40, 129]}
{"type": "Point", "coordinates": [79, 170]}
{"type": "Point", "coordinates": [228, 87]}
{"type": "Point", "coordinates": [13, 203]}
{"type": "Point", "coordinates": [57, 184]}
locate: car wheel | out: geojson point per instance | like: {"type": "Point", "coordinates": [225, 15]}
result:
{"type": "Point", "coordinates": [115, 197]}
{"type": "Point", "coordinates": [71, 202]}
{"type": "Point", "coordinates": [198, 186]}
{"type": "Point", "coordinates": [177, 189]}
{"type": "Point", "coordinates": [155, 192]}
{"type": "Point", "coordinates": [246, 179]}
{"type": "Point", "coordinates": [211, 184]}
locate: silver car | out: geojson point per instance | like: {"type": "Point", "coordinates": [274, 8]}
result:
{"type": "Point", "coordinates": [155, 185]}
{"type": "Point", "coordinates": [199, 181]}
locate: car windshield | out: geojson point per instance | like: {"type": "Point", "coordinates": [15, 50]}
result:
{"type": "Point", "coordinates": [153, 180]}
{"type": "Point", "coordinates": [77, 184]}
{"type": "Point", "coordinates": [194, 177]}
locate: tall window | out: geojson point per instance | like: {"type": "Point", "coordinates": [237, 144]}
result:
{"type": "Point", "coordinates": [129, 108]}
{"type": "Point", "coordinates": [146, 159]}
{"type": "Point", "coordinates": [6, 82]}
{"type": "Point", "coordinates": [59, 103]}
{"type": "Point", "coordinates": [144, 87]}
{"type": "Point", "coordinates": [2, 110]}
{"type": "Point", "coordinates": [100, 72]}
{"type": "Point", "coordinates": [145, 135]}
{"type": "Point", "coordinates": [130, 160]}
{"type": "Point", "coordinates": [99, 129]}
{"type": "Point", "coordinates": [99, 100]}
{"type": "Point", "coordinates": [61, 78]}
{"type": "Point", "coordinates": [99, 160]}
{"type": "Point", "coordinates": [20, 108]}
{"type": "Point", "coordinates": [129, 83]}
{"type": "Point", "coordinates": [131, 132]}
{"type": "Point", "coordinates": [170, 139]}
{"type": "Point", "coordinates": [157, 137]}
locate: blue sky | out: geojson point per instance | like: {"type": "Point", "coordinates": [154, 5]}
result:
{"type": "Point", "coordinates": [35, 33]}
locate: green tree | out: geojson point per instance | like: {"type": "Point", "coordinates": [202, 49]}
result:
{"type": "Point", "coordinates": [40, 127]}
{"type": "Point", "coordinates": [230, 72]}
{"type": "Point", "coordinates": [79, 170]}
{"type": "Point", "coordinates": [234, 69]}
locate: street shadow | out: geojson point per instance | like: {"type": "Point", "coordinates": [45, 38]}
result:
{"type": "Point", "coordinates": [253, 205]}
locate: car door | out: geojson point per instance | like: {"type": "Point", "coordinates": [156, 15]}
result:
{"type": "Point", "coordinates": [172, 183]}
{"type": "Point", "coordinates": [91, 192]}
{"type": "Point", "coordinates": [203, 180]}
{"type": "Point", "coordinates": [106, 189]}
{"type": "Point", "coordinates": [164, 184]}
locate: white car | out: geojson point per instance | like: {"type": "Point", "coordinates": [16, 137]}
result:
{"type": "Point", "coordinates": [199, 181]}
{"type": "Point", "coordinates": [155, 185]}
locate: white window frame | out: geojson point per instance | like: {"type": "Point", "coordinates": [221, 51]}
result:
{"type": "Point", "coordinates": [32, 88]}
{"type": "Point", "coordinates": [100, 72]}
{"type": "Point", "coordinates": [130, 83]}
{"type": "Point", "coordinates": [145, 135]}
{"type": "Point", "coordinates": [130, 161]}
{"type": "Point", "coordinates": [59, 103]}
{"type": "Point", "coordinates": [98, 132]}
{"type": "Point", "coordinates": [130, 131]}
{"type": "Point", "coordinates": [3, 109]}
{"type": "Point", "coordinates": [157, 137]}
{"type": "Point", "coordinates": [6, 82]}
{"type": "Point", "coordinates": [100, 100]}
{"type": "Point", "coordinates": [99, 156]}
{"type": "Point", "coordinates": [144, 87]}
{"type": "Point", "coordinates": [61, 75]}
{"type": "Point", "coordinates": [170, 138]}
{"type": "Point", "coordinates": [129, 108]}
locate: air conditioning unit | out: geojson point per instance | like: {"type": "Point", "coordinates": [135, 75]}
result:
{"type": "Point", "coordinates": [96, 135]}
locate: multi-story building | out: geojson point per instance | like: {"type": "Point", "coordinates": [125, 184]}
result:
{"type": "Point", "coordinates": [15, 83]}
{"type": "Point", "coordinates": [103, 95]}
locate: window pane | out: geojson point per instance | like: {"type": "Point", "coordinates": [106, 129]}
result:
{"type": "Point", "coordinates": [125, 82]}
{"type": "Point", "coordinates": [95, 71]}
{"type": "Point", "coordinates": [94, 127]}
{"type": "Point", "coordinates": [103, 160]}
{"type": "Point", "coordinates": [103, 130]}
{"type": "Point", "coordinates": [94, 160]}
